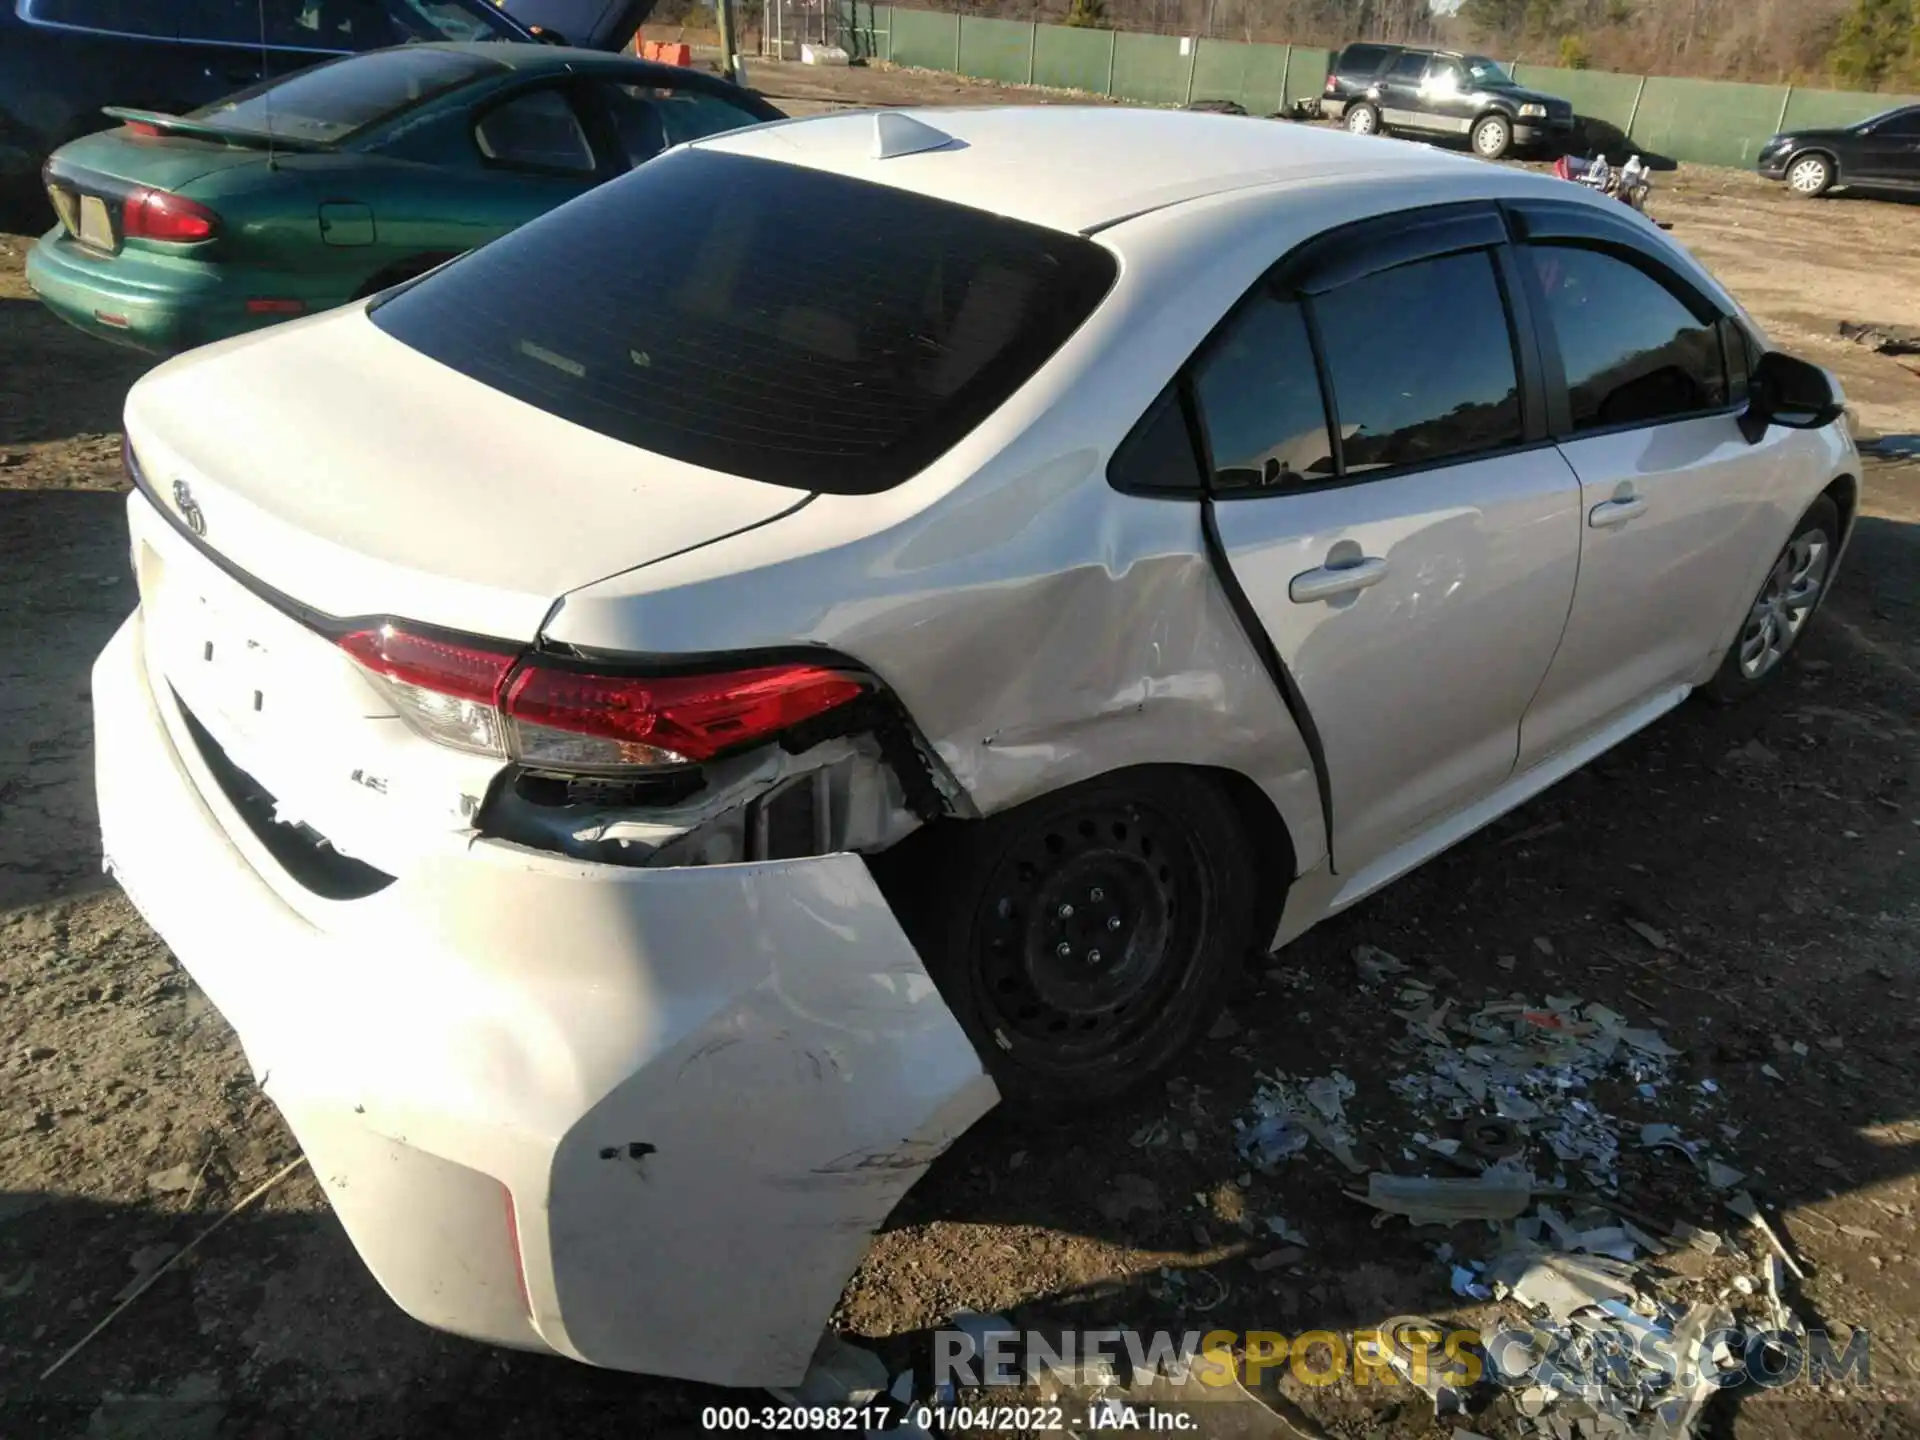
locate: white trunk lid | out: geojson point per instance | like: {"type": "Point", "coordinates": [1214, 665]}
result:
{"type": "Point", "coordinates": [355, 475]}
{"type": "Point", "coordinates": [334, 475]}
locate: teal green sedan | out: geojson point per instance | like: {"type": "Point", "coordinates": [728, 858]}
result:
{"type": "Point", "coordinates": [326, 186]}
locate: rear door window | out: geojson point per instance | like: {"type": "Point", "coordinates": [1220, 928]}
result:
{"type": "Point", "coordinates": [1259, 398]}
{"type": "Point", "coordinates": [1634, 352]}
{"type": "Point", "coordinates": [536, 131]}
{"type": "Point", "coordinates": [1421, 362]}
{"type": "Point", "coordinates": [766, 320]}
{"type": "Point", "coordinates": [1410, 67]}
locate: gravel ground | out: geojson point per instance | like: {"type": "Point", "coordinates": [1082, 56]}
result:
{"type": "Point", "coordinates": [1771, 850]}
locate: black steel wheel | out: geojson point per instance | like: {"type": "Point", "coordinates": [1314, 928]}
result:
{"type": "Point", "coordinates": [1084, 939]}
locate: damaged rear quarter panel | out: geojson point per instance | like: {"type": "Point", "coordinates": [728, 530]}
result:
{"type": "Point", "coordinates": [1039, 627]}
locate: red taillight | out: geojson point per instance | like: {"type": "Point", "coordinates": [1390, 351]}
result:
{"type": "Point", "coordinates": [158, 215]}
{"type": "Point", "coordinates": [664, 720]}
{"type": "Point", "coordinates": [449, 692]}
{"type": "Point", "coordinates": [488, 700]}
{"type": "Point", "coordinates": [262, 306]}
{"type": "Point", "coordinates": [140, 127]}
{"type": "Point", "coordinates": [1333, 84]}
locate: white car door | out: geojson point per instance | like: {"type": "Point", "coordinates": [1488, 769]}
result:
{"type": "Point", "coordinates": [1385, 497]}
{"type": "Point", "coordinates": [1679, 507]}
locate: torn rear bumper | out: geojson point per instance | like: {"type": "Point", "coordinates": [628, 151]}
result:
{"type": "Point", "coordinates": [646, 1119]}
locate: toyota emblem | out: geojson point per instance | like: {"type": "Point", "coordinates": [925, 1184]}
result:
{"type": "Point", "coordinates": [189, 508]}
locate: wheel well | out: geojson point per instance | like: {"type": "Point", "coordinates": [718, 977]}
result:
{"type": "Point", "coordinates": [1833, 160]}
{"type": "Point", "coordinates": [905, 871]}
{"type": "Point", "coordinates": [1266, 834]}
{"type": "Point", "coordinates": [1494, 114]}
{"type": "Point", "coordinates": [1845, 494]}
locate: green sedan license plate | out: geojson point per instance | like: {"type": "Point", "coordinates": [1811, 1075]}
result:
{"type": "Point", "coordinates": [96, 226]}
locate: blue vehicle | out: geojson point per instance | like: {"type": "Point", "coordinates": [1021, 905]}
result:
{"type": "Point", "coordinates": [61, 61]}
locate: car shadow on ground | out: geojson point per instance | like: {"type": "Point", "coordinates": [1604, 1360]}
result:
{"type": "Point", "coordinates": [78, 386]}
{"type": "Point", "coordinates": [65, 586]}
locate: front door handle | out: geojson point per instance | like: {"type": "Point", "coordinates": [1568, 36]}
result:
{"type": "Point", "coordinates": [1330, 581]}
{"type": "Point", "coordinates": [1610, 513]}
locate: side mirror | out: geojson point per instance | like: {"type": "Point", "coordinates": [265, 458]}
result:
{"type": "Point", "coordinates": [1791, 393]}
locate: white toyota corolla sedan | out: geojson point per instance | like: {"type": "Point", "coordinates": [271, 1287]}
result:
{"type": "Point", "coordinates": [651, 730]}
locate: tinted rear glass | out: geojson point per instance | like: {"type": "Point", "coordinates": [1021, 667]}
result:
{"type": "Point", "coordinates": [1363, 59]}
{"type": "Point", "coordinates": [761, 319]}
{"type": "Point", "coordinates": [332, 101]}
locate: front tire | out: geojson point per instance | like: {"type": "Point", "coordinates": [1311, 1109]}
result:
{"type": "Point", "coordinates": [1363, 119]}
{"type": "Point", "coordinates": [1492, 137]}
{"type": "Point", "coordinates": [1810, 176]}
{"type": "Point", "coordinates": [1785, 606]}
{"type": "Point", "coordinates": [1085, 939]}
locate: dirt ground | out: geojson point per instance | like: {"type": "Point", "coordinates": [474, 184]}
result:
{"type": "Point", "coordinates": [1773, 850]}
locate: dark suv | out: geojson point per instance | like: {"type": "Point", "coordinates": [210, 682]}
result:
{"type": "Point", "coordinates": [1377, 88]}
{"type": "Point", "coordinates": [61, 60]}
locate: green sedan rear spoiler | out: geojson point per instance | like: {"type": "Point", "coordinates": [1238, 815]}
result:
{"type": "Point", "coordinates": [206, 130]}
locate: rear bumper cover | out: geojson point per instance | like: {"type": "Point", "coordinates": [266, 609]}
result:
{"type": "Point", "coordinates": [163, 308]}
{"type": "Point", "coordinates": [646, 1119]}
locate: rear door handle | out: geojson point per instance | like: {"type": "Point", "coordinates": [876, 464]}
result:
{"type": "Point", "coordinates": [1610, 513]}
{"type": "Point", "coordinates": [1330, 581]}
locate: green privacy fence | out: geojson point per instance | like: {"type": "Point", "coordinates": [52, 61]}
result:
{"type": "Point", "coordinates": [1707, 122]}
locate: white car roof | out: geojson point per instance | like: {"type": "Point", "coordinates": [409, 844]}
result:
{"type": "Point", "coordinates": [1078, 168]}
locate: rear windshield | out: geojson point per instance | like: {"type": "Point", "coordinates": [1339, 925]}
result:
{"type": "Point", "coordinates": [761, 319]}
{"type": "Point", "coordinates": [332, 101]}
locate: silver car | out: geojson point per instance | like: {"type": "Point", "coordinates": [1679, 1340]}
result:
{"type": "Point", "coordinates": [651, 730]}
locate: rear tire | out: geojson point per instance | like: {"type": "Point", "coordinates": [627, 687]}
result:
{"type": "Point", "coordinates": [1810, 176]}
{"type": "Point", "coordinates": [1363, 119]}
{"type": "Point", "coordinates": [1085, 939]}
{"type": "Point", "coordinates": [1492, 137]}
{"type": "Point", "coordinates": [1784, 608]}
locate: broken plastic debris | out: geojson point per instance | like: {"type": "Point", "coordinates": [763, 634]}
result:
{"type": "Point", "coordinates": [1272, 1139]}
{"type": "Point", "coordinates": [1468, 1286]}
{"type": "Point", "coordinates": [1742, 1204]}
{"type": "Point", "coordinates": [1494, 1195]}
{"type": "Point", "coordinates": [1561, 1284]}
{"type": "Point", "coordinates": [1723, 1177]}
{"type": "Point", "coordinates": [1376, 965]}
{"type": "Point", "coordinates": [1707, 1242]}
{"type": "Point", "coordinates": [1274, 1259]}
{"type": "Point", "coordinates": [1329, 1094]}
{"type": "Point", "coordinates": [1278, 1226]}
{"type": "Point", "coordinates": [1647, 933]}
{"type": "Point", "coordinates": [842, 1375]}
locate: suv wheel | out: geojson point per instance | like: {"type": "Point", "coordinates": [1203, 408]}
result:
{"type": "Point", "coordinates": [1363, 119]}
{"type": "Point", "coordinates": [1810, 176]}
{"type": "Point", "coordinates": [1492, 136]}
